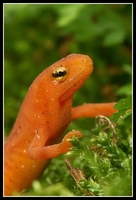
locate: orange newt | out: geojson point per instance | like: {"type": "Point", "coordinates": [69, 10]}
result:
{"type": "Point", "coordinates": [44, 115]}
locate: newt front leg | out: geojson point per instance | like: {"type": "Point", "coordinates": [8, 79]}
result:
{"type": "Point", "coordinates": [93, 109]}
{"type": "Point", "coordinates": [38, 148]}
{"type": "Point", "coordinates": [39, 151]}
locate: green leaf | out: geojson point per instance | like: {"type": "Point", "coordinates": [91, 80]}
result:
{"type": "Point", "coordinates": [68, 13]}
{"type": "Point", "coordinates": [124, 107]}
{"type": "Point", "coordinates": [125, 90]}
{"type": "Point", "coordinates": [113, 38]}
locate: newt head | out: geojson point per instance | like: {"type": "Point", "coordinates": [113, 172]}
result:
{"type": "Point", "coordinates": [62, 79]}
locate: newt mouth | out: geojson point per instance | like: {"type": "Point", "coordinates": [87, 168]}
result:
{"type": "Point", "coordinates": [72, 89]}
{"type": "Point", "coordinates": [80, 67]}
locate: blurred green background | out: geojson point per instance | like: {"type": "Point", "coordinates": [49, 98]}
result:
{"type": "Point", "coordinates": [37, 35]}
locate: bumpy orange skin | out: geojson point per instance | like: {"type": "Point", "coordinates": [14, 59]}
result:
{"type": "Point", "coordinates": [44, 115]}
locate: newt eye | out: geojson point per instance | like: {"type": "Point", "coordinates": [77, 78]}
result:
{"type": "Point", "coordinates": [60, 73]}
